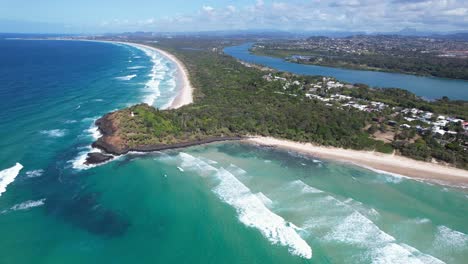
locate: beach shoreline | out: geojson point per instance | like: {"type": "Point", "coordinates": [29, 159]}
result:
{"type": "Point", "coordinates": [385, 163]}
{"type": "Point", "coordinates": [184, 87]}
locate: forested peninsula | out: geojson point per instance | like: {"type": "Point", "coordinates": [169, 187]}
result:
{"type": "Point", "coordinates": [233, 100]}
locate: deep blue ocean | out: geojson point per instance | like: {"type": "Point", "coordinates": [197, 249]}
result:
{"type": "Point", "coordinates": [219, 203]}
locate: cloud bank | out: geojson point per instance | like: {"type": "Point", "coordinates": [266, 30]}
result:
{"type": "Point", "coordinates": [341, 15]}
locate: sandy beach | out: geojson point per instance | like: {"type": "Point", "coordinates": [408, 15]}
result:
{"type": "Point", "coordinates": [185, 89]}
{"type": "Point", "coordinates": [392, 164]}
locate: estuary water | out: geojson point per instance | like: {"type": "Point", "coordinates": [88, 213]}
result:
{"type": "Point", "coordinates": [219, 203]}
{"type": "Point", "coordinates": [426, 87]}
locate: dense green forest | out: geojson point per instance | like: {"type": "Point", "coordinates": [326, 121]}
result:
{"type": "Point", "coordinates": [233, 100]}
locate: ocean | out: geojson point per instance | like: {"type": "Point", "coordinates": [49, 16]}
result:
{"type": "Point", "coordinates": [424, 86]}
{"type": "Point", "coordinates": [220, 203]}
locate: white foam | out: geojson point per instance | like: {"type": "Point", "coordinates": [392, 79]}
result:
{"type": "Point", "coordinates": [78, 163]}
{"type": "Point", "coordinates": [136, 67]}
{"type": "Point", "coordinates": [7, 176]}
{"type": "Point", "coordinates": [34, 173]}
{"type": "Point", "coordinates": [93, 131]}
{"type": "Point", "coordinates": [265, 200]}
{"type": "Point", "coordinates": [236, 170]}
{"type": "Point", "coordinates": [158, 72]}
{"type": "Point", "coordinates": [450, 239]}
{"type": "Point", "coordinates": [27, 205]}
{"type": "Point", "coordinates": [189, 162]}
{"type": "Point", "coordinates": [358, 230]}
{"type": "Point", "coordinates": [304, 187]}
{"type": "Point", "coordinates": [56, 133]}
{"type": "Point", "coordinates": [382, 248]}
{"type": "Point", "coordinates": [401, 254]}
{"type": "Point", "coordinates": [346, 223]}
{"type": "Point", "coordinates": [70, 121]}
{"type": "Point", "coordinates": [251, 210]}
{"type": "Point", "coordinates": [389, 176]}
{"type": "Point", "coordinates": [126, 78]}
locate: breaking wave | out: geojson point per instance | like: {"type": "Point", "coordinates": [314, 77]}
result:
{"type": "Point", "coordinates": [348, 223]}
{"type": "Point", "coordinates": [7, 176]}
{"type": "Point", "coordinates": [250, 208]}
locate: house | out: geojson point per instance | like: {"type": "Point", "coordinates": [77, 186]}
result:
{"type": "Point", "coordinates": [391, 123]}
{"type": "Point", "coordinates": [438, 130]}
{"type": "Point", "coordinates": [428, 115]}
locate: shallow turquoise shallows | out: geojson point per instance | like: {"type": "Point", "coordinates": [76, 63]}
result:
{"type": "Point", "coordinates": [426, 87]}
{"type": "Point", "coordinates": [219, 203]}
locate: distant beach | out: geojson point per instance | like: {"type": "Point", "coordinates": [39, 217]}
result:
{"type": "Point", "coordinates": [185, 89]}
{"type": "Point", "coordinates": [393, 164]}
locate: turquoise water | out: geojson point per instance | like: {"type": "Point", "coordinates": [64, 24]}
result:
{"type": "Point", "coordinates": [220, 203]}
{"type": "Point", "coordinates": [427, 87]}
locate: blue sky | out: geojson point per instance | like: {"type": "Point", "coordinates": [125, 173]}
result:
{"type": "Point", "coordinates": [98, 16]}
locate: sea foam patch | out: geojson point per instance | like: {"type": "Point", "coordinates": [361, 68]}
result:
{"type": "Point", "coordinates": [126, 78]}
{"type": "Point", "coordinates": [34, 173]}
{"type": "Point", "coordinates": [136, 67]}
{"type": "Point", "coordinates": [55, 133]}
{"type": "Point", "coordinates": [27, 205]}
{"type": "Point", "coordinates": [7, 176]}
{"type": "Point", "coordinates": [250, 208]}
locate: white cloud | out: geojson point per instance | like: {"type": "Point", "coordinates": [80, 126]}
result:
{"type": "Point", "coordinates": [343, 15]}
{"type": "Point", "coordinates": [457, 12]}
{"type": "Point", "coordinates": [208, 9]}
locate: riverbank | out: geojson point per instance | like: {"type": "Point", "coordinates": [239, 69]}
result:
{"type": "Point", "coordinates": [392, 164]}
{"type": "Point", "coordinates": [423, 86]}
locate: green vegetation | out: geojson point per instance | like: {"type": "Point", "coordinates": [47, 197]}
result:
{"type": "Point", "coordinates": [234, 100]}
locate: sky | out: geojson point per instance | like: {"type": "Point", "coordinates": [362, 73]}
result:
{"type": "Point", "coordinates": [112, 16]}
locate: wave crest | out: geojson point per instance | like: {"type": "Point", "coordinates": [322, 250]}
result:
{"type": "Point", "coordinates": [7, 176]}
